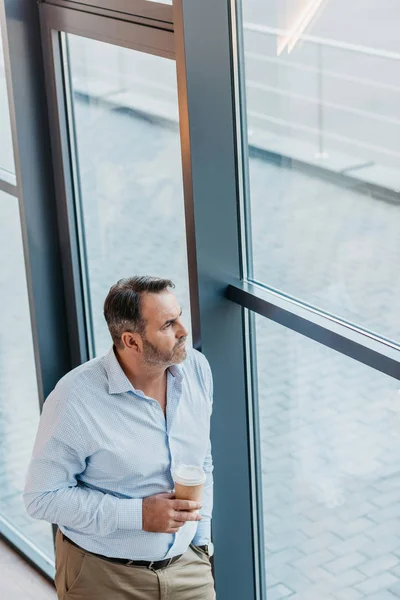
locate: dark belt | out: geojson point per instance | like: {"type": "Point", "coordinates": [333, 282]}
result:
{"type": "Point", "coordinates": [155, 565]}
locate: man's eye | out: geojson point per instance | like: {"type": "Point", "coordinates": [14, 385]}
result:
{"type": "Point", "coordinates": [167, 325]}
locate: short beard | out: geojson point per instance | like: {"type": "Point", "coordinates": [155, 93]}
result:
{"type": "Point", "coordinates": [153, 356]}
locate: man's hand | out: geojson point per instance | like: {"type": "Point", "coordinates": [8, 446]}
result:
{"type": "Point", "coordinates": [163, 514]}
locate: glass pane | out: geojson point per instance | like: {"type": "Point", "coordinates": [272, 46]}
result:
{"type": "Point", "coordinates": [6, 148]}
{"type": "Point", "coordinates": [330, 458]}
{"type": "Point", "coordinates": [125, 115]}
{"type": "Point", "coordinates": [19, 404]}
{"type": "Point", "coordinates": [323, 116]}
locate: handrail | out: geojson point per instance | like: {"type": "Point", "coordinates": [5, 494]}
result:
{"type": "Point", "coordinates": [325, 42]}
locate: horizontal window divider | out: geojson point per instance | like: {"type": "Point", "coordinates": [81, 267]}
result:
{"type": "Point", "coordinates": [8, 184]}
{"type": "Point", "coordinates": [153, 14]}
{"type": "Point", "coordinates": [124, 33]}
{"type": "Point", "coordinates": [363, 346]}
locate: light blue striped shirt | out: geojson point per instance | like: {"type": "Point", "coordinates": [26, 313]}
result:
{"type": "Point", "coordinates": [102, 446]}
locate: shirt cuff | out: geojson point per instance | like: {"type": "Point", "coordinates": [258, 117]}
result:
{"type": "Point", "coordinates": [129, 514]}
{"type": "Point", "coordinates": [203, 533]}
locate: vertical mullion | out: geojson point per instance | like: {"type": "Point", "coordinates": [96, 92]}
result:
{"type": "Point", "coordinates": [65, 193]}
{"type": "Point", "coordinates": [255, 452]}
{"type": "Point", "coordinates": [209, 145]}
{"type": "Point", "coordinates": [238, 69]}
{"type": "Point", "coordinates": [75, 174]}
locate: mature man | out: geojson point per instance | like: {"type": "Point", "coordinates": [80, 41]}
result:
{"type": "Point", "coordinates": [111, 434]}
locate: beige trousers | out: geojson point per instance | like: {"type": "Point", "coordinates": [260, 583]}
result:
{"type": "Point", "coordinates": [81, 575]}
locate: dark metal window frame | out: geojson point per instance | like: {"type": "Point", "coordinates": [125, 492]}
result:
{"type": "Point", "coordinates": [56, 20]}
{"type": "Point", "coordinates": [328, 330]}
{"type": "Point", "coordinates": [122, 9]}
{"type": "Point", "coordinates": [212, 188]}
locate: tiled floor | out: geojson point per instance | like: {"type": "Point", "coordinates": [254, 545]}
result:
{"type": "Point", "coordinates": [19, 581]}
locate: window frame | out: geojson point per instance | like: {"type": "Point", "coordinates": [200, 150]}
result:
{"type": "Point", "coordinates": [56, 20]}
{"type": "Point", "coordinates": [122, 9]}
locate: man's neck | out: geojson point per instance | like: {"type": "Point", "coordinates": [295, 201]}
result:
{"type": "Point", "coordinates": [150, 379]}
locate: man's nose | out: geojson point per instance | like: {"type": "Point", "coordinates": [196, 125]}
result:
{"type": "Point", "coordinates": [182, 331]}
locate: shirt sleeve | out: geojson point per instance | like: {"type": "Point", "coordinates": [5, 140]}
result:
{"type": "Point", "coordinates": [53, 491]}
{"type": "Point", "coordinates": [203, 532]}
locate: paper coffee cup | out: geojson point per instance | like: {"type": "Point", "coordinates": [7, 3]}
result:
{"type": "Point", "coordinates": [189, 481]}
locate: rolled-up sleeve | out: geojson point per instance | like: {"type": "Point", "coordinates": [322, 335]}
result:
{"type": "Point", "coordinates": [53, 491]}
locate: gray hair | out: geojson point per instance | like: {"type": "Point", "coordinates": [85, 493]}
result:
{"type": "Point", "coordinates": [122, 307]}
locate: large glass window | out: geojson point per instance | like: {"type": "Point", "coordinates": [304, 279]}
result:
{"type": "Point", "coordinates": [6, 148]}
{"type": "Point", "coordinates": [330, 447]}
{"type": "Point", "coordinates": [124, 113]}
{"type": "Point", "coordinates": [19, 404]}
{"type": "Point", "coordinates": [323, 126]}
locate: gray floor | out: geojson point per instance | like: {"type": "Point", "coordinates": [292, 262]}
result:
{"type": "Point", "coordinates": [330, 443]}
{"type": "Point", "coordinates": [19, 581]}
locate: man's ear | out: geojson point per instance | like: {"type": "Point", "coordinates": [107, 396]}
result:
{"type": "Point", "coordinates": [132, 341]}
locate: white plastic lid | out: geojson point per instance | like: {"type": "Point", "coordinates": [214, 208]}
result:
{"type": "Point", "coordinates": [189, 475]}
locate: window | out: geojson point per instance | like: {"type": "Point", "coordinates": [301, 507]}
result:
{"type": "Point", "coordinates": [321, 148]}
{"type": "Point", "coordinates": [19, 403]}
{"type": "Point", "coordinates": [324, 147]}
{"type": "Point", "coordinates": [124, 113]}
{"type": "Point", "coordinates": [330, 442]}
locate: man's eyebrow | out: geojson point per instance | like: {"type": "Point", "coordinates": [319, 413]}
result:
{"type": "Point", "coordinates": [172, 320]}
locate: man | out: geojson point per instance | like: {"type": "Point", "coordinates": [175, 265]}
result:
{"type": "Point", "coordinates": [110, 435]}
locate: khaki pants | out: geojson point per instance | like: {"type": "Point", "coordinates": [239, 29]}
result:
{"type": "Point", "coordinates": [81, 575]}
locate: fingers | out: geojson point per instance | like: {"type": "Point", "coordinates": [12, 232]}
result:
{"type": "Point", "coordinates": [177, 524]}
{"type": "Point", "coordinates": [182, 516]}
{"type": "Point", "coordinates": [167, 495]}
{"type": "Point", "coordinates": [186, 505]}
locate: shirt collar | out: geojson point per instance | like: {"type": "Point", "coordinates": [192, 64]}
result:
{"type": "Point", "coordinates": [118, 383]}
{"type": "Point", "coordinates": [176, 371]}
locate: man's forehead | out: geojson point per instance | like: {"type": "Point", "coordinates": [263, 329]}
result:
{"type": "Point", "coordinates": [163, 305]}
